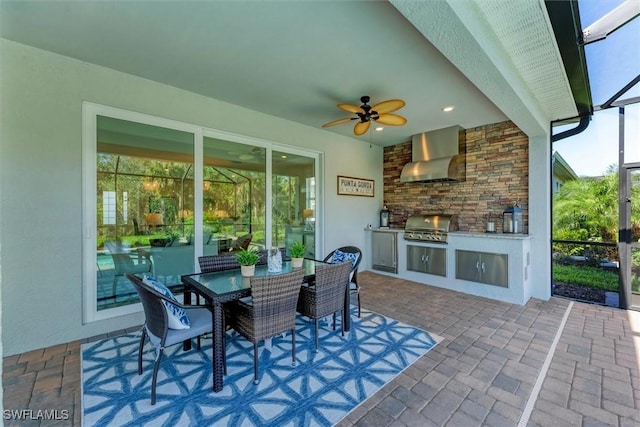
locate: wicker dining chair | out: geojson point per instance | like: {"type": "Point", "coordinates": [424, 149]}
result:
{"type": "Point", "coordinates": [355, 255]}
{"type": "Point", "coordinates": [271, 311]}
{"type": "Point", "coordinates": [326, 296]}
{"type": "Point", "coordinates": [210, 263]}
{"type": "Point", "coordinates": [228, 261]}
{"type": "Point", "coordinates": [156, 325]}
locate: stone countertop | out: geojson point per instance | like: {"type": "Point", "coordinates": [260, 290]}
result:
{"type": "Point", "coordinates": [386, 230]}
{"type": "Point", "coordinates": [461, 233]}
{"type": "Point", "coordinates": [490, 235]}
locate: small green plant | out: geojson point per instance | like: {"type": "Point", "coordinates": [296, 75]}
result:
{"type": "Point", "coordinates": [298, 250]}
{"type": "Point", "coordinates": [247, 257]}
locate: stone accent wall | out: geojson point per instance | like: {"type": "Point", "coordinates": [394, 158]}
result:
{"type": "Point", "coordinates": [497, 175]}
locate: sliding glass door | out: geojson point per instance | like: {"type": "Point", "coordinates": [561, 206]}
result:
{"type": "Point", "coordinates": [159, 194]}
{"type": "Point", "coordinates": [233, 195]}
{"type": "Point", "coordinates": [294, 201]}
{"type": "Point", "coordinates": [144, 206]}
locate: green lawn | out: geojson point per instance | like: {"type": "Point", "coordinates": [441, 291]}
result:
{"type": "Point", "coordinates": [586, 276]}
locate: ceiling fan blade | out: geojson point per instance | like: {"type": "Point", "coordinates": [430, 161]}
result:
{"type": "Point", "coordinates": [338, 122]}
{"type": "Point", "coordinates": [361, 128]}
{"type": "Point", "coordinates": [388, 106]}
{"type": "Point", "coordinates": [350, 108]}
{"type": "Point", "coordinates": [391, 120]}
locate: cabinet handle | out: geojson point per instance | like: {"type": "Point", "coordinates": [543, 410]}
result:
{"type": "Point", "coordinates": [478, 266]}
{"type": "Point", "coordinates": [427, 259]}
{"type": "Point", "coordinates": [483, 267]}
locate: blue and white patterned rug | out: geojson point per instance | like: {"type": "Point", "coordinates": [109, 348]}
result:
{"type": "Point", "coordinates": [319, 391]}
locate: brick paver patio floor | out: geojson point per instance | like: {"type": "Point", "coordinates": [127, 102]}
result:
{"type": "Point", "coordinates": [499, 364]}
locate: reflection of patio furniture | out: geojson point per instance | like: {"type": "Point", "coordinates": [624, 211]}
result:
{"type": "Point", "coordinates": [125, 262]}
{"type": "Point", "coordinates": [136, 228]}
{"type": "Point", "coordinates": [242, 242]}
{"type": "Point", "coordinates": [171, 261]}
{"type": "Point", "coordinates": [159, 242]}
{"type": "Point", "coordinates": [217, 245]}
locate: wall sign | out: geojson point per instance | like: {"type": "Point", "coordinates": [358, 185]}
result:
{"type": "Point", "coordinates": [348, 186]}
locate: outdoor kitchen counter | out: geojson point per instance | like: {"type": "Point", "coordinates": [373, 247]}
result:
{"type": "Point", "coordinates": [459, 234]}
{"type": "Point", "coordinates": [386, 230]}
{"type": "Point", "coordinates": [488, 235]}
{"type": "Point", "coordinates": [511, 250]}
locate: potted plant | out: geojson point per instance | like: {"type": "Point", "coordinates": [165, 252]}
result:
{"type": "Point", "coordinates": [247, 258]}
{"type": "Point", "coordinates": [297, 254]}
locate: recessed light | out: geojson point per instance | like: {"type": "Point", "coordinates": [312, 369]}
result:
{"type": "Point", "coordinates": [246, 156]}
{"type": "Point", "coordinates": [284, 156]}
{"type": "Point", "coordinates": [448, 108]}
{"type": "Point", "coordinates": [379, 128]}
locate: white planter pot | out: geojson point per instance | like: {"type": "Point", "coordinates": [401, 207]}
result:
{"type": "Point", "coordinates": [297, 262]}
{"type": "Point", "coordinates": [247, 270]}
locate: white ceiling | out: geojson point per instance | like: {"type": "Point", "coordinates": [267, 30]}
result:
{"type": "Point", "coordinates": [297, 60]}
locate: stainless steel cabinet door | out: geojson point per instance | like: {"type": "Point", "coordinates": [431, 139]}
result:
{"type": "Point", "coordinates": [384, 251]}
{"type": "Point", "coordinates": [482, 267]}
{"type": "Point", "coordinates": [427, 260]}
{"type": "Point", "coordinates": [436, 261]}
{"type": "Point", "coordinates": [493, 269]}
{"type": "Point", "coordinates": [415, 256]}
{"type": "Point", "coordinates": [468, 265]}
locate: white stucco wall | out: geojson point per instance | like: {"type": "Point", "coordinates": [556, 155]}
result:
{"type": "Point", "coordinates": [1, 347]}
{"type": "Point", "coordinates": [540, 216]}
{"type": "Point", "coordinates": [41, 182]}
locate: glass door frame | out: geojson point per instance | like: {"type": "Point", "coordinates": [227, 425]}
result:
{"type": "Point", "coordinates": [90, 113]}
{"type": "Point", "coordinates": [626, 245]}
{"type": "Point", "coordinates": [270, 147]}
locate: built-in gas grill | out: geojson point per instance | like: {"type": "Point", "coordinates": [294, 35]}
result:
{"type": "Point", "coordinates": [429, 228]}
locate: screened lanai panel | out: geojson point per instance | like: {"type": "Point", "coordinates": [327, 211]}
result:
{"type": "Point", "coordinates": [632, 133]}
{"type": "Point", "coordinates": [614, 61]}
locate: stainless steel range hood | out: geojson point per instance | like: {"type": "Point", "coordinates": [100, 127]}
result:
{"type": "Point", "coordinates": [438, 155]}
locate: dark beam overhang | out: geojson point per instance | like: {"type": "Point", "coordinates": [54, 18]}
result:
{"type": "Point", "coordinates": [565, 20]}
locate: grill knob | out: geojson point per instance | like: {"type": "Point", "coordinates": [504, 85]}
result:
{"type": "Point", "coordinates": [419, 236]}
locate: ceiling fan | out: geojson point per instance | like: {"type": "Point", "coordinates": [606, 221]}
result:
{"type": "Point", "coordinates": [380, 113]}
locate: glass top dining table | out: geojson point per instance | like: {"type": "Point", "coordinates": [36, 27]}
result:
{"type": "Point", "coordinates": [228, 285]}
